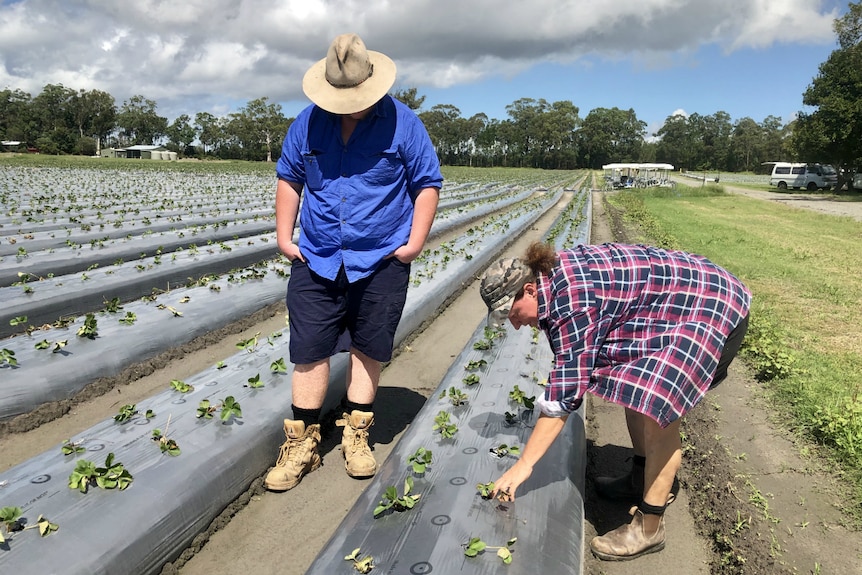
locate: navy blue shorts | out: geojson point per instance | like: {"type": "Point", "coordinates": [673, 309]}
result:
{"type": "Point", "coordinates": [327, 317]}
{"type": "Point", "coordinates": [731, 347]}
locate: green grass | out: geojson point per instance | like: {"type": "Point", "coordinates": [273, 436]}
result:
{"type": "Point", "coordinates": [805, 271]}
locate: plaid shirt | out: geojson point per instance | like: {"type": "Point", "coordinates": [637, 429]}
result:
{"type": "Point", "coordinates": [638, 326]}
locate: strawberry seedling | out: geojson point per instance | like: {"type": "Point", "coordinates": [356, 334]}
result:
{"type": "Point", "coordinates": [129, 319]}
{"type": "Point", "coordinates": [442, 423]}
{"type": "Point", "coordinates": [11, 518]}
{"type": "Point", "coordinates": [456, 396]}
{"type": "Point", "coordinates": [485, 489]}
{"type": "Point", "coordinates": [518, 396]}
{"type": "Point", "coordinates": [475, 364]}
{"type": "Point", "coordinates": [475, 546]}
{"type": "Point", "coordinates": [420, 460]}
{"type": "Point", "coordinates": [503, 450]}
{"type": "Point", "coordinates": [278, 366]}
{"type": "Point", "coordinates": [471, 379]}
{"type": "Point", "coordinates": [391, 500]}
{"type": "Point", "coordinates": [126, 413]}
{"type": "Point", "coordinates": [229, 407]}
{"type": "Point", "coordinates": [181, 386]}
{"type": "Point", "coordinates": [113, 475]}
{"type": "Point", "coordinates": [90, 327]}
{"type": "Point", "coordinates": [71, 448]}
{"type": "Point", "coordinates": [7, 358]}
{"type": "Point", "coordinates": [254, 382]}
{"type": "Point", "coordinates": [249, 345]}
{"type": "Point", "coordinates": [364, 565]}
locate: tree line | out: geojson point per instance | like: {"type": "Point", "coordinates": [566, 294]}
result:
{"type": "Point", "coordinates": [536, 133]}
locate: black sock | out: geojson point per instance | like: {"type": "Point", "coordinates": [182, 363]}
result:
{"type": "Point", "coordinates": [648, 509]}
{"type": "Point", "coordinates": [350, 406]}
{"type": "Point", "coordinates": [306, 416]}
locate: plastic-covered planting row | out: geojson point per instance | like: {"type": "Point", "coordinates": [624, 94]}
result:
{"type": "Point", "coordinates": [544, 522]}
{"type": "Point", "coordinates": [51, 236]}
{"type": "Point", "coordinates": [54, 284]}
{"type": "Point", "coordinates": [542, 529]}
{"type": "Point", "coordinates": [42, 252]}
{"type": "Point", "coordinates": [76, 294]}
{"type": "Point", "coordinates": [44, 188]}
{"type": "Point", "coordinates": [101, 253]}
{"type": "Point", "coordinates": [36, 236]}
{"type": "Point", "coordinates": [139, 529]}
{"type": "Point", "coordinates": [35, 380]}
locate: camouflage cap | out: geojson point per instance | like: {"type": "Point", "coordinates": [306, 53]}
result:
{"type": "Point", "coordinates": [501, 282]}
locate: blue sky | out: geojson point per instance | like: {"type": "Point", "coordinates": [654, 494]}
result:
{"type": "Point", "coordinates": [749, 58]}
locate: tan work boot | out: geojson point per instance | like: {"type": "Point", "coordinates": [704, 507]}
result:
{"type": "Point", "coordinates": [358, 459]}
{"type": "Point", "coordinates": [628, 541]}
{"type": "Point", "coordinates": [296, 457]}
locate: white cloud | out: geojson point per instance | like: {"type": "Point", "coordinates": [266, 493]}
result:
{"type": "Point", "coordinates": [246, 49]}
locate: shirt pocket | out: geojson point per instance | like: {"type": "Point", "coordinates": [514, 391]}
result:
{"type": "Point", "coordinates": [382, 168]}
{"type": "Point", "coordinates": [313, 170]}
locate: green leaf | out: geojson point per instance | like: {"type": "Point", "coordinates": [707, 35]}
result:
{"type": "Point", "coordinates": [46, 527]}
{"type": "Point", "coordinates": [353, 555]}
{"type": "Point", "coordinates": [44, 344]}
{"type": "Point", "coordinates": [504, 554]}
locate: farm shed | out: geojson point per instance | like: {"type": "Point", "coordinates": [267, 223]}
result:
{"type": "Point", "coordinates": [140, 152]}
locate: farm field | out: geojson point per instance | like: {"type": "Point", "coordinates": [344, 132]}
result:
{"type": "Point", "coordinates": [255, 525]}
{"type": "Point", "coordinates": [476, 224]}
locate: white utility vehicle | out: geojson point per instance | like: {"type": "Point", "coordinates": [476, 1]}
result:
{"type": "Point", "coordinates": [798, 175]}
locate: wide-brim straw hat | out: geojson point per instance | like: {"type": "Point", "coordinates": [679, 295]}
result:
{"type": "Point", "coordinates": [351, 78]}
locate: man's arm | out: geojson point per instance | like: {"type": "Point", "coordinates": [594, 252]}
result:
{"type": "Point", "coordinates": [424, 210]}
{"type": "Point", "coordinates": [287, 196]}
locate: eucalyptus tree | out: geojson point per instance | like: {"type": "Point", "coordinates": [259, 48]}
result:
{"type": "Point", "coordinates": [715, 131]}
{"type": "Point", "coordinates": [260, 128]}
{"type": "Point", "coordinates": [441, 122]}
{"type": "Point", "coordinates": [55, 125]}
{"type": "Point", "coordinates": [610, 135]}
{"type": "Point", "coordinates": [181, 133]}
{"type": "Point", "coordinates": [746, 145]}
{"type": "Point", "coordinates": [677, 143]}
{"type": "Point", "coordinates": [410, 98]}
{"type": "Point", "coordinates": [95, 115]}
{"type": "Point", "coordinates": [139, 123]}
{"type": "Point", "coordinates": [15, 116]}
{"type": "Point", "coordinates": [833, 131]}
{"type": "Point", "coordinates": [209, 130]}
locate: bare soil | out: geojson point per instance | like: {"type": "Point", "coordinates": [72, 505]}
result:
{"type": "Point", "coordinates": [753, 499]}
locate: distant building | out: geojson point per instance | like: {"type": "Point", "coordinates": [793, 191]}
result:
{"type": "Point", "coordinates": [140, 152]}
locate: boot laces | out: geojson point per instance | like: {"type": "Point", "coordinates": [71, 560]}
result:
{"type": "Point", "coordinates": [290, 452]}
{"type": "Point", "coordinates": [360, 442]}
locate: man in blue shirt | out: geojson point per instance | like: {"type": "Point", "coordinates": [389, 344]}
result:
{"type": "Point", "coordinates": [369, 180]}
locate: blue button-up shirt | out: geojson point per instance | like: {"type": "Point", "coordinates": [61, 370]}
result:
{"type": "Point", "coordinates": [358, 197]}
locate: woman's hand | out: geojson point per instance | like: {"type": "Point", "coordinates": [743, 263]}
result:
{"type": "Point", "coordinates": [505, 487]}
{"type": "Point", "coordinates": [544, 433]}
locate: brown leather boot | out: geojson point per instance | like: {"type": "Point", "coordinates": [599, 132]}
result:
{"type": "Point", "coordinates": [296, 457]}
{"type": "Point", "coordinates": [628, 541]}
{"type": "Point", "coordinates": [358, 459]}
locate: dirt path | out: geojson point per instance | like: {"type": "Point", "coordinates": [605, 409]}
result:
{"type": "Point", "coordinates": [744, 480]}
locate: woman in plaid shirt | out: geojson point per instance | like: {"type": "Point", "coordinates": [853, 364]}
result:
{"type": "Point", "coordinates": [649, 329]}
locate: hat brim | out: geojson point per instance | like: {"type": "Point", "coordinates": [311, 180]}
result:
{"type": "Point", "coordinates": [499, 312]}
{"type": "Point", "coordinates": [350, 100]}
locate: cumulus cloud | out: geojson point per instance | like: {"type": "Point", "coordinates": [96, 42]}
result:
{"type": "Point", "coordinates": [211, 50]}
